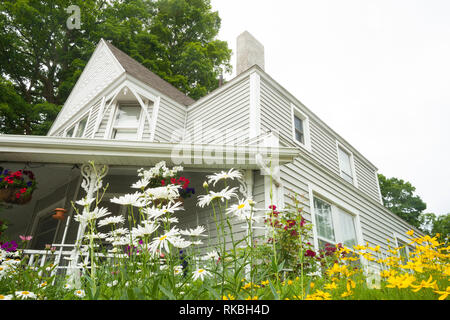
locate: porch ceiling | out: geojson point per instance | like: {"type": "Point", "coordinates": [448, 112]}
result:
{"type": "Point", "coordinates": [45, 149]}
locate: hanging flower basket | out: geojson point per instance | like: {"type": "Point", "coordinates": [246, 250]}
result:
{"type": "Point", "coordinates": [16, 187]}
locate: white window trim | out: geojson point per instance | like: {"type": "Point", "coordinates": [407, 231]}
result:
{"type": "Point", "coordinates": [403, 238]}
{"type": "Point", "coordinates": [295, 111]}
{"type": "Point", "coordinates": [352, 162]}
{"type": "Point", "coordinates": [76, 123]}
{"type": "Point", "coordinates": [110, 127]}
{"type": "Point", "coordinates": [315, 191]}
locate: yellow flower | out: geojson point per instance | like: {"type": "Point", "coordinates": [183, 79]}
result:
{"type": "Point", "coordinates": [252, 298]}
{"type": "Point", "coordinates": [229, 297]}
{"type": "Point", "coordinates": [346, 294]}
{"type": "Point", "coordinates": [311, 285]}
{"type": "Point", "coordinates": [443, 294]}
{"type": "Point", "coordinates": [425, 284]}
{"type": "Point", "coordinates": [401, 281]}
{"type": "Point", "coordinates": [265, 283]}
{"type": "Point", "coordinates": [410, 232]}
{"type": "Point", "coordinates": [330, 286]}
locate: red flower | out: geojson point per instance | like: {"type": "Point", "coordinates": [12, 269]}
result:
{"type": "Point", "coordinates": [310, 253]}
{"type": "Point", "coordinates": [23, 190]}
{"type": "Point", "coordinates": [163, 183]}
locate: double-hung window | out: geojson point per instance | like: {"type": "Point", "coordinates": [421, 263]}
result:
{"type": "Point", "coordinates": [127, 121]}
{"type": "Point", "coordinates": [346, 165]}
{"type": "Point", "coordinates": [300, 128]}
{"type": "Point", "coordinates": [333, 224]}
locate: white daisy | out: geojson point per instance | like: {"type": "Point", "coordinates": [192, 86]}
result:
{"type": "Point", "coordinates": [85, 202]}
{"type": "Point", "coordinates": [163, 241]}
{"type": "Point", "coordinates": [25, 295]}
{"type": "Point", "coordinates": [6, 297]}
{"type": "Point", "coordinates": [231, 174]}
{"type": "Point", "coordinates": [169, 192]}
{"type": "Point", "coordinates": [200, 274]}
{"type": "Point", "coordinates": [95, 214]}
{"type": "Point", "coordinates": [211, 255]}
{"type": "Point", "coordinates": [197, 232]}
{"type": "Point", "coordinates": [111, 220]}
{"type": "Point", "coordinates": [154, 212]}
{"type": "Point", "coordinates": [80, 293]}
{"type": "Point", "coordinates": [141, 184]}
{"type": "Point", "coordinates": [178, 270]}
{"type": "Point", "coordinates": [144, 230]}
{"type": "Point", "coordinates": [221, 195]}
{"type": "Point", "coordinates": [134, 199]}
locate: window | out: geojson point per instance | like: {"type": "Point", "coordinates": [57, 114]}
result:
{"type": "Point", "coordinates": [300, 128]}
{"type": "Point", "coordinates": [345, 164]}
{"type": "Point", "coordinates": [77, 130]}
{"type": "Point", "coordinates": [299, 133]}
{"type": "Point", "coordinates": [80, 128]}
{"type": "Point", "coordinates": [126, 123]}
{"type": "Point", "coordinates": [333, 224]}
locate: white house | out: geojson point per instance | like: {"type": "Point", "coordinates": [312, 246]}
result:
{"type": "Point", "coordinates": [122, 115]}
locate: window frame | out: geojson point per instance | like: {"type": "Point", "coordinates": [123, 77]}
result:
{"type": "Point", "coordinates": [335, 203]}
{"type": "Point", "coordinates": [76, 125]}
{"type": "Point", "coordinates": [296, 112]}
{"type": "Point", "coordinates": [339, 147]}
{"type": "Point", "coordinates": [139, 128]}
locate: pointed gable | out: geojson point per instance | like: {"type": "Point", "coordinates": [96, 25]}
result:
{"type": "Point", "coordinates": [100, 71]}
{"type": "Point", "coordinates": [140, 72]}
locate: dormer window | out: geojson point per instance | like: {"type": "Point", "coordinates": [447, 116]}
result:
{"type": "Point", "coordinates": [126, 123]}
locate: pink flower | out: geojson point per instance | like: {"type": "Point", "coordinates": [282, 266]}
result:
{"type": "Point", "coordinates": [25, 238]}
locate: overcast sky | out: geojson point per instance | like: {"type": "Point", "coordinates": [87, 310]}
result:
{"type": "Point", "coordinates": [377, 72]}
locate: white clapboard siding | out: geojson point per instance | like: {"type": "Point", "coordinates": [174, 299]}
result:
{"type": "Point", "coordinates": [377, 223]}
{"type": "Point", "coordinates": [170, 117]}
{"type": "Point", "coordinates": [276, 116]}
{"type": "Point", "coordinates": [223, 118]}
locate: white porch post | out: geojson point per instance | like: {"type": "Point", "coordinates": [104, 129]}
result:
{"type": "Point", "coordinates": [92, 181]}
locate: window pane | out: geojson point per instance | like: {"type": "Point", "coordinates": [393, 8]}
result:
{"type": "Point", "coordinates": [299, 133]}
{"type": "Point", "coordinates": [324, 219]}
{"type": "Point", "coordinates": [81, 127]}
{"type": "Point", "coordinates": [299, 136]}
{"type": "Point", "coordinates": [345, 165]}
{"type": "Point", "coordinates": [70, 132]}
{"type": "Point", "coordinates": [348, 231]}
{"type": "Point", "coordinates": [298, 124]}
{"type": "Point", "coordinates": [128, 116]}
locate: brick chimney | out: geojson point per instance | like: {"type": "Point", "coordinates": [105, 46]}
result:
{"type": "Point", "coordinates": [249, 52]}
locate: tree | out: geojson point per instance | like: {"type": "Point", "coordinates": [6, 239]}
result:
{"type": "Point", "coordinates": [433, 225]}
{"type": "Point", "coordinates": [398, 196]}
{"type": "Point", "coordinates": [41, 59]}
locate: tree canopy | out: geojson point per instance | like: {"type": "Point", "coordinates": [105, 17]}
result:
{"type": "Point", "coordinates": [399, 197]}
{"type": "Point", "coordinates": [41, 58]}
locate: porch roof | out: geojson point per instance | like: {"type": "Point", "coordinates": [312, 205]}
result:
{"type": "Point", "coordinates": [48, 149]}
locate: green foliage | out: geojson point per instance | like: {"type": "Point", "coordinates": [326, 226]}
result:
{"type": "Point", "coordinates": [41, 59]}
{"type": "Point", "coordinates": [398, 196]}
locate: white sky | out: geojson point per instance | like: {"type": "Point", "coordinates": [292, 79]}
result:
{"type": "Point", "coordinates": [377, 72]}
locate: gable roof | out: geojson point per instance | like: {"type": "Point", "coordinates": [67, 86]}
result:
{"type": "Point", "coordinates": [140, 72]}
